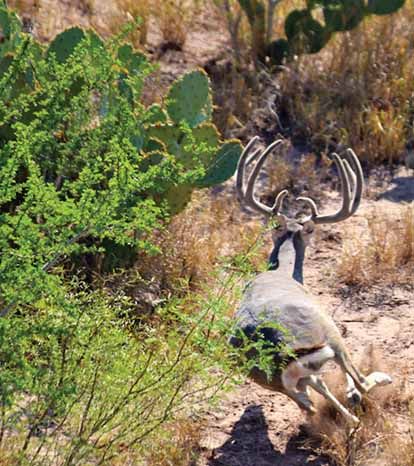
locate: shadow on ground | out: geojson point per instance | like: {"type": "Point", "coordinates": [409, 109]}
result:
{"type": "Point", "coordinates": [250, 445]}
{"type": "Point", "coordinates": [402, 190]}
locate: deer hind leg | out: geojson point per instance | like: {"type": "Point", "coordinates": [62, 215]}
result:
{"type": "Point", "coordinates": [295, 375]}
{"type": "Point", "coordinates": [353, 395]}
{"type": "Point", "coordinates": [319, 385]}
{"type": "Point", "coordinates": [363, 383]}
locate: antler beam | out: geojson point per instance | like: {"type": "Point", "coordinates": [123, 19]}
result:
{"type": "Point", "coordinates": [246, 193]}
{"type": "Point", "coordinates": [352, 183]}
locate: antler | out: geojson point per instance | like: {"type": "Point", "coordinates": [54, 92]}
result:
{"type": "Point", "coordinates": [247, 194]}
{"type": "Point", "coordinates": [352, 183]}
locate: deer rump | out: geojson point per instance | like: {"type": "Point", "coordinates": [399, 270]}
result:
{"type": "Point", "coordinates": [300, 323]}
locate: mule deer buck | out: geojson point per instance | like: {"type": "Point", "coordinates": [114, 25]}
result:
{"type": "Point", "coordinates": [279, 297]}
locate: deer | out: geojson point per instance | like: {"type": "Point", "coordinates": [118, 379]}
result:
{"type": "Point", "coordinates": [277, 300]}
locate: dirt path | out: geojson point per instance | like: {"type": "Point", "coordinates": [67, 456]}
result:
{"type": "Point", "coordinates": [255, 427]}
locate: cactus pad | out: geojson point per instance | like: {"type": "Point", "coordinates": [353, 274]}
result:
{"type": "Point", "coordinates": [223, 166]}
{"type": "Point", "coordinates": [206, 139]}
{"type": "Point", "coordinates": [155, 114]}
{"type": "Point", "coordinates": [132, 61]}
{"type": "Point", "coordinates": [150, 159]}
{"type": "Point", "coordinates": [169, 134]}
{"type": "Point", "coordinates": [304, 33]}
{"type": "Point", "coordinates": [65, 43]}
{"type": "Point", "coordinates": [343, 15]}
{"type": "Point", "coordinates": [384, 7]}
{"type": "Point", "coordinates": [178, 197]}
{"type": "Point", "coordinates": [189, 99]}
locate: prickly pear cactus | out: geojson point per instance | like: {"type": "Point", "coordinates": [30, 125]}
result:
{"type": "Point", "coordinates": [343, 15]}
{"type": "Point", "coordinates": [177, 197]}
{"type": "Point", "coordinates": [168, 133]}
{"type": "Point", "coordinates": [65, 43]}
{"type": "Point", "coordinates": [223, 165]}
{"type": "Point", "coordinates": [189, 99]}
{"type": "Point", "coordinates": [10, 29]}
{"type": "Point", "coordinates": [156, 114]}
{"type": "Point", "coordinates": [183, 129]}
{"type": "Point", "coordinates": [384, 7]}
{"type": "Point", "coordinates": [305, 34]}
{"type": "Point", "coordinates": [132, 60]}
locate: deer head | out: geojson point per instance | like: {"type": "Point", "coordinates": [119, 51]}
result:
{"type": "Point", "coordinates": [291, 235]}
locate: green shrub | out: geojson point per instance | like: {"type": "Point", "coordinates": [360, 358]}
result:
{"type": "Point", "coordinates": [85, 168]}
{"type": "Point", "coordinates": [87, 173]}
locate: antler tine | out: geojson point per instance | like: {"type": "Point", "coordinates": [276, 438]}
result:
{"type": "Point", "coordinates": [252, 157]}
{"type": "Point", "coordinates": [358, 178]}
{"type": "Point", "coordinates": [249, 194]}
{"type": "Point", "coordinates": [279, 201]}
{"type": "Point", "coordinates": [241, 165]}
{"type": "Point", "coordinates": [351, 195]}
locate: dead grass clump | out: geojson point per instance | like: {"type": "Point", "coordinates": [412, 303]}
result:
{"type": "Point", "coordinates": [384, 253]}
{"type": "Point", "coordinates": [179, 446]}
{"type": "Point", "coordinates": [382, 415]}
{"type": "Point", "coordinates": [132, 9]}
{"type": "Point", "coordinates": [173, 19]}
{"type": "Point", "coordinates": [358, 90]}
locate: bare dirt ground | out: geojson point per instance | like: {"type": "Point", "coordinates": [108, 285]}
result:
{"type": "Point", "coordinates": [254, 426]}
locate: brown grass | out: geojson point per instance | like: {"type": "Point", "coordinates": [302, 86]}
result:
{"type": "Point", "coordinates": [173, 19]}
{"type": "Point", "coordinates": [179, 446]}
{"type": "Point", "coordinates": [380, 436]}
{"type": "Point", "coordinates": [384, 254]}
{"type": "Point", "coordinates": [211, 231]}
{"type": "Point", "coordinates": [357, 90]}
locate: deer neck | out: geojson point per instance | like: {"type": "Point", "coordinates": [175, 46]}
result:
{"type": "Point", "coordinates": [287, 256]}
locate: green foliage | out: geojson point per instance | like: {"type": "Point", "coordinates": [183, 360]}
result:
{"type": "Point", "coordinates": [87, 173]}
{"type": "Point", "coordinates": [81, 155]}
{"type": "Point", "coordinates": [10, 28]}
{"type": "Point", "coordinates": [72, 364]}
{"type": "Point", "coordinates": [75, 366]}
{"type": "Point", "coordinates": [304, 33]}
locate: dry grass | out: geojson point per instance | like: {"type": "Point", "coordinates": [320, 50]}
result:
{"type": "Point", "coordinates": [211, 231]}
{"type": "Point", "coordinates": [357, 90]}
{"type": "Point", "coordinates": [381, 437]}
{"type": "Point", "coordinates": [179, 446]}
{"type": "Point", "coordinates": [174, 18]}
{"type": "Point", "coordinates": [128, 10]}
{"type": "Point", "coordinates": [384, 254]}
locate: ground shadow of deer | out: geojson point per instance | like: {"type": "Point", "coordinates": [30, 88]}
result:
{"type": "Point", "coordinates": [402, 190]}
{"type": "Point", "coordinates": [250, 445]}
